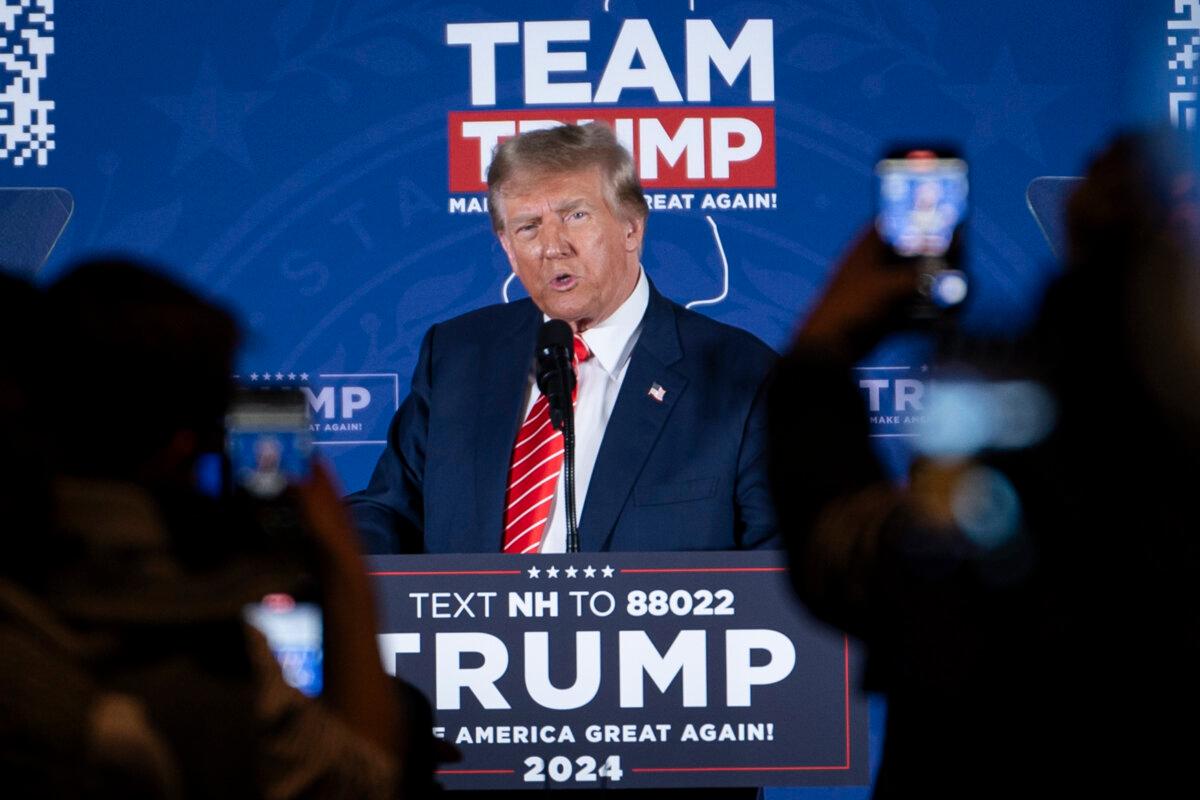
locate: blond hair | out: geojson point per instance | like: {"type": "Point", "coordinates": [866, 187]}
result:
{"type": "Point", "coordinates": [568, 148]}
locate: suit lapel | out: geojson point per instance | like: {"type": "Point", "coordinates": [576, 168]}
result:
{"type": "Point", "coordinates": [507, 357]}
{"type": "Point", "coordinates": [636, 422]}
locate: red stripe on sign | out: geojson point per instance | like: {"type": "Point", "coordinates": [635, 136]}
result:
{"type": "Point", "coordinates": [475, 771]}
{"type": "Point", "coordinates": [846, 684]}
{"type": "Point", "coordinates": [739, 769]}
{"type": "Point", "coordinates": [449, 572]}
{"type": "Point", "coordinates": [703, 569]}
{"type": "Point", "coordinates": [698, 147]}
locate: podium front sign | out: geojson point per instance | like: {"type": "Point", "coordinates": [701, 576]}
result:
{"type": "Point", "coordinates": [623, 670]}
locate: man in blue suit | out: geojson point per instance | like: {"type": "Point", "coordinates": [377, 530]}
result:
{"type": "Point", "coordinates": [670, 433]}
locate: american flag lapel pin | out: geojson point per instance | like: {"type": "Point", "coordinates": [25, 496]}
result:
{"type": "Point", "coordinates": [657, 392]}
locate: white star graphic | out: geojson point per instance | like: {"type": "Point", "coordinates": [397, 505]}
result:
{"type": "Point", "coordinates": [291, 376]}
{"type": "Point", "coordinates": [589, 571]}
{"type": "Point", "coordinates": [607, 572]}
{"type": "Point", "coordinates": [266, 376]}
{"type": "Point", "coordinates": [303, 376]}
{"type": "Point", "coordinates": [278, 376]}
{"type": "Point", "coordinates": [571, 572]}
{"type": "Point", "coordinates": [253, 376]}
{"type": "Point", "coordinates": [552, 572]}
{"type": "Point", "coordinates": [534, 572]}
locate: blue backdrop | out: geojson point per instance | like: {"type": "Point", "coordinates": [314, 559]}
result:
{"type": "Point", "coordinates": [295, 158]}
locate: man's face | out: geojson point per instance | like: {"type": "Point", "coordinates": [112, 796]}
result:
{"type": "Point", "coordinates": [577, 258]}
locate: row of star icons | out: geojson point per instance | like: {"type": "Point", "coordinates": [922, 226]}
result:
{"type": "Point", "coordinates": [266, 376]}
{"type": "Point", "coordinates": [588, 572]}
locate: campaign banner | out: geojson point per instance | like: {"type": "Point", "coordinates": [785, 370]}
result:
{"type": "Point", "coordinates": [623, 670]}
{"type": "Point", "coordinates": [895, 397]}
{"type": "Point", "coordinates": [345, 408]}
{"type": "Point", "coordinates": [672, 147]}
{"type": "Point", "coordinates": [318, 167]}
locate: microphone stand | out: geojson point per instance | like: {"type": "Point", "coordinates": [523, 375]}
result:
{"type": "Point", "coordinates": [555, 377]}
{"type": "Point", "coordinates": [568, 432]}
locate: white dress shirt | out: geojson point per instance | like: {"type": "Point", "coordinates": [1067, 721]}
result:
{"type": "Point", "coordinates": [611, 343]}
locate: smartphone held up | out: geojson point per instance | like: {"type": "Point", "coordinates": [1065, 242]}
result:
{"type": "Point", "coordinates": [268, 441]}
{"type": "Point", "coordinates": [921, 208]}
{"type": "Point", "coordinates": [268, 448]}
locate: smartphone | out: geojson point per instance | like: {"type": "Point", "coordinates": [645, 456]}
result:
{"type": "Point", "coordinates": [268, 441]}
{"type": "Point", "coordinates": [921, 209]}
{"type": "Point", "coordinates": [268, 447]}
{"type": "Point", "coordinates": [294, 632]}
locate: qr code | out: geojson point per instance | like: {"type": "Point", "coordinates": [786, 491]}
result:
{"type": "Point", "coordinates": [1183, 39]}
{"type": "Point", "coordinates": [26, 41]}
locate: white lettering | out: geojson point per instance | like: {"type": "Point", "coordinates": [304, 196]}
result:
{"type": "Point", "coordinates": [908, 394]}
{"type": "Point", "coordinates": [452, 677]}
{"type": "Point", "coordinates": [637, 39]}
{"type": "Point", "coordinates": [540, 61]}
{"type": "Point", "coordinates": [873, 386]}
{"type": "Point", "coordinates": [655, 140]}
{"type": "Point", "coordinates": [482, 38]}
{"type": "Point", "coordinates": [488, 132]}
{"type": "Point", "coordinates": [740, 675]}
{"type": "Point", "coordinates": [755, 45]}
{"type": "Point", "coordinates": [354, 398]}
{"type": "Point", "coordinates": [322, 403]}
{"type": "Point", "coordinates": [533, 604]}
{"type": "Point", "coordinates": [587, 671]}
{"type": "Point", "coordinates": [393, 644]}
{"type": "Point", "coordinates": [723, 129]}
{"type": "Point", "coordinates": [686, 655]}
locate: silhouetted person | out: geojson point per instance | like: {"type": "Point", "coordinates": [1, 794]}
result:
{"type": "Point", "coordinates": [42, 688]}
{"type": "Point", "coordinates": [1028, 605]}
{"type": "Point", "coordinates": [177, 696]}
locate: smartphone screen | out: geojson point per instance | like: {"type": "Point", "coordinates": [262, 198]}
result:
{"type": "Point", "coordinates": [922, 204]}
{"type": "Point", "coordinates": [294, 633]}
{"type": "Point", "coordinates": [922, 201]}
{"type": "Point", "coordinates": [268, 441]}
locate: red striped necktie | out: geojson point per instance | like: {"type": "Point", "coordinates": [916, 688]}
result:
{"type": "Point", "coordinates": [533, 473]}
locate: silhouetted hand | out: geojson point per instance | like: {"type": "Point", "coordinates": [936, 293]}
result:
{"type": "Point", "coordinates": [356, 686]}
{"type": "Point", "coordinates": [864, 301]}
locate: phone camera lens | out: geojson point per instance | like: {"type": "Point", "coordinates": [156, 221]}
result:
{"type": "Point", "coordinates": [948, 288]}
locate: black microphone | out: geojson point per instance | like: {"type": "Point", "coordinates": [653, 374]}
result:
{"type": "Point", "coordinates": [556, 380]}
{"type": "Point", "coordinates": [555, 377]}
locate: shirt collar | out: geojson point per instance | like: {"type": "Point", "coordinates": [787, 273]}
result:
{"type": "Point", "coordinates": [612, 340]}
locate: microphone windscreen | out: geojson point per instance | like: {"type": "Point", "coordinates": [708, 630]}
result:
{"type": "Point", "coordinates": [555, 333]}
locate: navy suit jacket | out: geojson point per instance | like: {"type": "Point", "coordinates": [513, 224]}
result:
{"type": "Point", "coordinates": [684, 473]}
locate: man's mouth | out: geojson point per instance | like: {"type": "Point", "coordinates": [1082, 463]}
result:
{"type": "Point", "coordinates": [563, 282]}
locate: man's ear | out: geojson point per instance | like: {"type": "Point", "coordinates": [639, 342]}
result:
{"type": "Point", "coordinates": [635, 229]}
